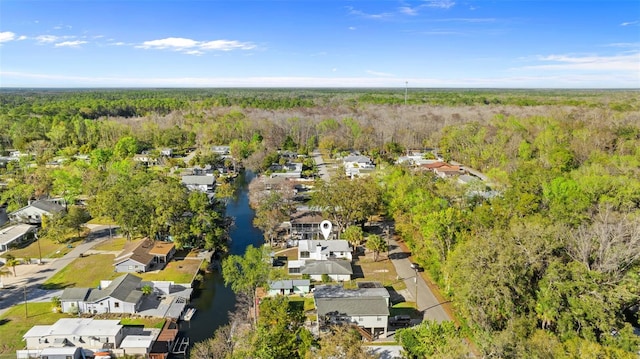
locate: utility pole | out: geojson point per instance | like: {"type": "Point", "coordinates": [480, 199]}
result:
{"type": "Point", "coordinates": [415, 280]}
{"type": "Point", "coordinates": [39, 249]}
{"type": "Point", "coordinates": [26, 311]}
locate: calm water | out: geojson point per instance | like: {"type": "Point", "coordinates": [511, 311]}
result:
{"type": "Point", "coordinates": [214, 301]}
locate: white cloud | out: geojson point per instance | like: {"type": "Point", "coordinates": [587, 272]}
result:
{"type": "Point", "coordinates": [47, 38]}
{"type": "Point", "coordinates": [193, 47]}
{"type": "Point", "coordinates": [441, 4]}
{"type": "Point", "coordinates": [352, 28]}
{"type": "Point", "coordinates": [629, 23]}
{"type": "Point", "coordinates": [7, 36]}
{"type": "Point", "coordinates": [622, 62]}
{"type": "Point", "coordinates": [365, 15]}
{"type": "Point", "coordinates": [76, 43]}
{"type": "Point", "coordinates": [377, 73]}
{"type": "Point", "coordinates": [22, 37]}
{"type": "Point", "coordinates": [408, 10]}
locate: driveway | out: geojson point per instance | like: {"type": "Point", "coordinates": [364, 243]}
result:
{"type": "Point", "coordinates": [31, 276]}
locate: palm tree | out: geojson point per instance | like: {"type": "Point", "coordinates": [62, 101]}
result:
{"type": "Point", "coordinates": [377, 245]}
{"type": "Point", "coordinates": [147, 289]}
{"type": "Point", "coordinates": [12, 262]}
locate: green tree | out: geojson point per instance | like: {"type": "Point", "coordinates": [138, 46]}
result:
{"type": "Point", "coordinates": [126, 147]}
{"type": "Point", "coordinates": [12, 262]}
{"type": "Point", "coordinates": [431, 339]}
{"type": "Point", "coordinates": [343, 342]}
{"type": "Point", "coordinates": [246, 273]}
{"type": "Point", "coordinates": [354, 235]}
{"type": "Point", "coordinates": [376, 244]}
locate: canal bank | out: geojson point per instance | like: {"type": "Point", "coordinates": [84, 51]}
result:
{"type": "Point", "coordinates": [213, 300]}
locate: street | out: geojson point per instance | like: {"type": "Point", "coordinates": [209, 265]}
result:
{"type": "Point", "coordinates": [31, 276]}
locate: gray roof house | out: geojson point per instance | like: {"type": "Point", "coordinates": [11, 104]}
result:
{"type": "Point", "coordinates": [120, 296]}
{"type": "Point", "coordinates": [289, 286]}
{"type": "Point", "coordinates": [336, 269]}
{"type": "Point", "coordinates": [14, 235]}
{"type": "Point", "coordinates": [32, 213]}
{"type": "Point", "coordinates": [368, 309]}
{"type": "Point", "coordinates": [337, 291]}
{"type": "Point", "coordinates": [204, 183]}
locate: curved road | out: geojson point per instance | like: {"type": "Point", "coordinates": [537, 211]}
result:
{"type": "Point", "coordinates": [31, 276]}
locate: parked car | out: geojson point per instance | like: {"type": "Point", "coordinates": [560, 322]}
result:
{"type": "Point", "coordinates": [402, 320]}
{"type": "Point", "coordinates": [417, 267]}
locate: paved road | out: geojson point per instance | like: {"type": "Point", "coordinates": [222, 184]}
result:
{"type": "Point", "coordinates": [322, 167]}
{"type": "Point", "coordinates": [427, 302]}
{"type": "Point", "coordinates": [31, 276]}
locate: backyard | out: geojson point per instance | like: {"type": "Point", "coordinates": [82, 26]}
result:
{"type": "Point", "coordinates": [178, 271]}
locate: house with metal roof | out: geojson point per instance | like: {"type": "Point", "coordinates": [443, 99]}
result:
{"type": "Point", "coordinates": [76, 332]}
{"type": "Point", "coordinates": [205, 183]}
{"type": "Point", "coordinates": [13, 235]}
{"type": "Point", "coordinates": [336, 269]}
{"type": "Point", "coordinates": [369, 313]}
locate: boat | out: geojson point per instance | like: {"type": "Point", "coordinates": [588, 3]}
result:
{"type": "Point", "coordinates": [188, 314]}
{"type": "Point", "coordinates": [102, 355]}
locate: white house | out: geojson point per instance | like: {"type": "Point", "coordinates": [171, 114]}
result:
{"type": "Point", "coordinates": [204, 183]}
{"type": "Point", "coordinates": [122, 295]}
{"type": "Point", "coordinates": [15, 235]}
{"type": "Point", "coordinates": [289, 286]}
{"type": "Point", "coordinates": [78, 332]}
{"type": "Point", "coordinates": [337, 269]}
{"type": "Point", "coordinates": [289, 170]}
{"type": "Point", "coordinates": [324, 249]}
{"type": "Point", "coordinates": [135, 257]}
{"type": "Point", "coordinates": [357, 165]}
{"type": "Point", "coordinates": [32, 213]}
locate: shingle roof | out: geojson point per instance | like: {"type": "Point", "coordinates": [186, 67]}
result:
{"type": "Point", "coordinates": [199, 180]}
{"type": "Point", "coordinates": [330, 266]}
{"type": "Point", "coordinates": [70, 294]}
{"type": "Point", "coordinates": [289, 283]}
{"type": "Point", "coordinates": [352, 306]}
{"type": "Point", "coordinates": [138, 252]}
{"type": "Point", "coordinates": [123, 288]}
{"type": "Point", "coordinates": [47, 206]}
{"type": "Point", "coordinates": [335, 291]}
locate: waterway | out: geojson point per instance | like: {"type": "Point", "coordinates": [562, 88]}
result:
{"type": "Point", "coordinates": [213, 300]}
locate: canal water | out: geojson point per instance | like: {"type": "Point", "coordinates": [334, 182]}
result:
{"type": "Point", "coordinates": [213, 300]}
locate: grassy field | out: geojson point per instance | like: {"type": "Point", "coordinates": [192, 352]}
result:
{"type": "Point", "coordinates": [48, 248]}
{"type": "Point", "coordinates": [87, 271]}
{"type": "Point", "coordinates": [113, 244]}
{"type": "Point", "coordinates": [381, 271]}
{"type": "Point", "coordinates": [14, 324]}
{"type": "Point", "coordinates": [181, 271]}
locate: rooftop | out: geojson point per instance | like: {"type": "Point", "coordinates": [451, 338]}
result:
{"type": "Point", "coordinates": [330, 266]}
{"type": "Point", "coordinates": [352, 306]}
{"type": "Point", "coordinates": [10, 234]}
{"type": "Point", "coordinates": [76, 326]}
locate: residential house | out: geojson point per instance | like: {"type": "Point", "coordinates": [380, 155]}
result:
{"type": "Point", "coordinates": [52, 353]}
{"type": "Point", "coordinates": [122, 295]}
{"type": "Point", "coordinates": [357, 165]}
{"type": "Point", "coordinates": [204, 184]}
{"type": "Point", "coordinates": [221, 150]}
{"type": "Point", "coordinates": [337, 269]}
{"type": "Point", "coordinates": [368, 309]}
{"type": "Point", "coordinates": [32, 213]}
{"type": "Point", "coordinates": [289, 170]}
{"type": "Point", "coordinates": [324, 249]}
{"type": "Point", "coordinates": [162, 252]}
{"type": "Point", "coordinates": [146, 159]}
{"type": "Point", "coordinates": [76, 332]}
{"type": "Point", "coordinates": [289, 286]}
{"type": "Point", "coordinates": [306, 225]}
{"type": "Point", "coordinates": [16, 234]}
{"type": "Point", "coordinates": [135, 258]}
{"type": "Point", "coordinates": [166, 152]}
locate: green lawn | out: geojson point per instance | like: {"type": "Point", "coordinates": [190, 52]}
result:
{"type": "Point", "coordinates": [48, 248]}
{"type": "Point", "coordinates": [87, 271]}
{"type": "Point", "coordinates": [113, 244]}
{"type": "Point", "coordinates": [14, 324]}
{"type": "Point", "coordinates": [181, 271]}
{"type": "Point", "coordinates": [146, 322]}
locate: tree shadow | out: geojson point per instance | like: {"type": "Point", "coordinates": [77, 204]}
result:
{"type": "Point", "coordinates": [4, 321]}
{"type": "Point", "coordinates": [400, 255]}
{"type": "Point", "coordinates": [54, 286]}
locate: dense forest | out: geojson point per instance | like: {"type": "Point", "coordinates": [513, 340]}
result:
{"type": "Point", "coordinates": [542, 260]}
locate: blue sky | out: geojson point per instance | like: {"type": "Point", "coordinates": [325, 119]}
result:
{"type": "Point", "coordinates": [330, 43]}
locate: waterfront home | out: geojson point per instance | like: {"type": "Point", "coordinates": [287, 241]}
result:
{"type": "Point", "coordinates": [289, 286]}
{"type": "Point", "coordinates": [135, 257]}
{"type": "Point", "coordinates": [336, 269]}
{"type": "Point", "coordinates": [122, 295]}
{"type": "Point", "coordinates": [324, 249]}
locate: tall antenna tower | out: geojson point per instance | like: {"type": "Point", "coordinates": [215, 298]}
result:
{"type": "Point", "coordinates": [406, 89]}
